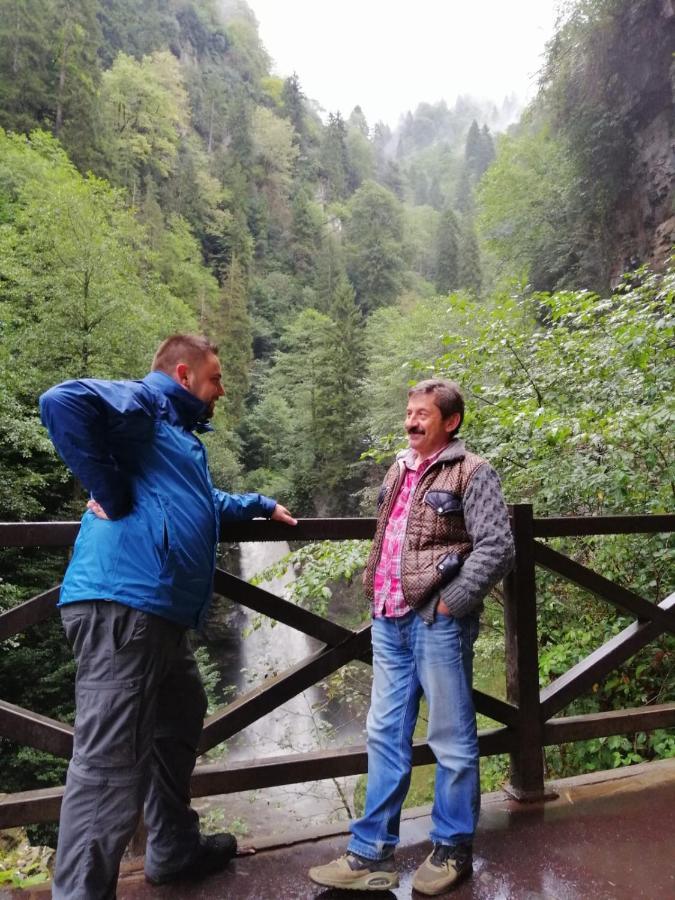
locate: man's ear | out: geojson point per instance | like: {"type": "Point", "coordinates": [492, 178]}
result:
{"type": "Point", "coordinates": [181, 373]}
{"type": "Point", "coordinates": [452, 422]}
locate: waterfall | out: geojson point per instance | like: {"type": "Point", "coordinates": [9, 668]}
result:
{"type": "Point", "coordinates": [267, 649]}
{"type": "Point", "coordinates": [258, 648]}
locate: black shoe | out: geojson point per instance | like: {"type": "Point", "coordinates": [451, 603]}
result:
{"type": "Point", "coordinates": [212, 855]}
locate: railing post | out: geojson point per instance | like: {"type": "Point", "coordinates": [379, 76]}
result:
{"type": "Point", "coordinates": [522, 666]}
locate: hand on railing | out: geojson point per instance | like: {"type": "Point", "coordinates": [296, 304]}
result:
{"type": "Point", "coordinates": [281, 514]}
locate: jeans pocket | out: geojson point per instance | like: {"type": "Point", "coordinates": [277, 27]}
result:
{"type": "Point", "coordinates": [106, 723]}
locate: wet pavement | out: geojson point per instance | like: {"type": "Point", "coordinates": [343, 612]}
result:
{"type": "Point", "coordinates": [607, 836]}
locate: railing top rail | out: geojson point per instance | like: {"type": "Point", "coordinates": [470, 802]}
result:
{"type": "Point", "coordinates": [571, 526]}
{"type": "Point", "coordinates": [38, 534]}
{"type": "Point", "coordinates": [63, 534]}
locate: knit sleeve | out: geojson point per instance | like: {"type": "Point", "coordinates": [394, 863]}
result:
{"type": "Point", "coordinates": [492, 554]}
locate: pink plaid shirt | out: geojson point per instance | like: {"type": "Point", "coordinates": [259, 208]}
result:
{"type": "Point", "coordinates": [388, 599]}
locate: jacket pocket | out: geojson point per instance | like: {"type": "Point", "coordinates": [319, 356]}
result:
{"type": "Point", "coordinates": [448, 566]}
{"type": "Point", "coordinates": [445, 503]}
{"type": "Point", "coordinates": [166, 536]}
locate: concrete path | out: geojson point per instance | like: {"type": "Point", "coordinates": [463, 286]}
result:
{"type": "Point", "coordinates": [608, 836]}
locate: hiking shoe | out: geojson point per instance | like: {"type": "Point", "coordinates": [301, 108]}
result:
{"type": "Point", "coordinates": [443, 868]}
{"type": "Point", "coordinates": [213, 853]}
{"type": "Point", "coordinates": [354, 872]}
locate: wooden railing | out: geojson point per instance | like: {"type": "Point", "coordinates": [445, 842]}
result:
{"type": "Point", "coordinates": [527, 718]}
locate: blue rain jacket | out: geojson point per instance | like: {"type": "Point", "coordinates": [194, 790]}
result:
{"type": "Point", "coordinates": [132, 446]}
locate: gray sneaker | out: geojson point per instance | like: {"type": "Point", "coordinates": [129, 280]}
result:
{"type": "Point", "coordinates": [443, 868]}
{"type": "Point", "coordinates": [354, 872]}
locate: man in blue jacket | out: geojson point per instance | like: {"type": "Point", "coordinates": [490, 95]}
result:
{"type": "Point", "coordinates": [140, 575]}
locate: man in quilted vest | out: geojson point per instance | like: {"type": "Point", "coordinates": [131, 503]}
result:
{"type": "Point", "coordinates": [442, 542]}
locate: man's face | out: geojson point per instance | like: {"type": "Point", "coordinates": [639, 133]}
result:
{"type": "Point", "coordinates": [427, 430]}
{"type": "Point", "coordinates": [204, 380]}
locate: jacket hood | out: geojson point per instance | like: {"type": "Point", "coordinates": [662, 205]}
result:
{"type": "Point", "coordinates": [182, 407]}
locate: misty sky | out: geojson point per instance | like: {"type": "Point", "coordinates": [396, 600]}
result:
{"type": "Point", "coordinates": [389, 56]}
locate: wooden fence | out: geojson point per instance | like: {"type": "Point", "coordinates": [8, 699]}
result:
{"type": "Point", "coordinates": [527, 719]}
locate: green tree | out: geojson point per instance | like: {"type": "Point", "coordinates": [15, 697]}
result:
{"type": "Point", "coordinates": [77, 41]}
{"type": "Point", "coordinates": [274, 153]}
{"type": "Point", "coordinates": [136, 29]}
{"type": "Point", "coordinates": [297, 375]}
{"type": "Point", "coordinates": [79, 296]}
{"type": "Point", "coordinates": [330, 269]}
{"type": "Point", "coordinates": [374, 246]}
{"type": "Point", "coordinates": [421, 232]}
{"type": "Point", "coordinates": [464, 200]}
{"type": "Point", "coordinates": [178, 260]}
{"type": "Point", "coordinates": [293, 102]}
{"type": "Point", "coordinates": [233, 328]}
{"type": "Point", "coordinates": [447, 253]}
{"type": "Point", "coordinates": [340, 401]}
{"type": "Point", "coordinates": [335, 171]}
{"type": "Point", "coordinates": [144, 111]}
{"type": "Point", "coordinates": [479, 151]}
{"type": "Point", "coordinates": [26, 458]}
{"type": "Point", "coordinates": [525, 209]}
{"type": "Point", "coordinates": [473, 151]}
{"type": "Point", "coordinates": [400, 345]}
{"type": "Point", "coordinates": [305, 237]}
{"type": "Point", "coordinates": [469, 274]}
{"type": "Point", "coordinates": [488, 149]}
{"type": "Point", "coordinates": [25, 63]}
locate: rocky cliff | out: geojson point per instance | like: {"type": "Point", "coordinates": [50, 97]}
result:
{"type": "Point", "coordinates": [644, 219]}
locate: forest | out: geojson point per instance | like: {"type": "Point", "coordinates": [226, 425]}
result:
{"type": "Point", "coordinates": [156, 177]}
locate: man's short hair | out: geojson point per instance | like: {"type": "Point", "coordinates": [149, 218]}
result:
{"type": "Point", "coordinates": [187, 348]}
{"type": "Point", "coordinates": [447, 397]}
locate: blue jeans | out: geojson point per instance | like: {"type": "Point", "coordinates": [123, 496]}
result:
{"type": "Point", "coordinates": [411, 658]}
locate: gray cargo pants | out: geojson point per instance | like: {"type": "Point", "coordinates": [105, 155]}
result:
{"type": "Point", "coordinates": [140, 707]}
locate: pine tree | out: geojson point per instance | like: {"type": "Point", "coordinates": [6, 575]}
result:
{"type": "Point", "coordinates": [464, 201]}
{"type": "Point", "coordinates": [330, 270]}
{"type": "Point", "coordinates": [235, 337]}
{"type": "Point", "coordinates": [374, 246]}
{"type": "Point", "coordinates": [479, 151]}
{"type": "Point", "coordinates": [358, 121]}
{"type": "Point", "coordinates": [447, 253]}
{"type": "Point", "coordinates": [293, 101]}
{"type": "Point", "coordinates": [469, 275]}
{"type": "Point", "coordinates": [26, 68]}
{"type": "Point", "coordinates": [305, 237]}
{"type": "Point", "coordinates": [381, 138]}
{"type": "Point", "coordinates": [392, 179]}
{"type": "Point", "coordinates": [487, 148]}
{"type": "Point", "coordinates": [340, 399]}
{"type": "Point", "coordinates": [473, 151]}
{"type": "Point", "coordinates": [335, 159]}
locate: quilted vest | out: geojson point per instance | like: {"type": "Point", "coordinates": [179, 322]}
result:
{"type": "Point", "coordinates": [435, 530]}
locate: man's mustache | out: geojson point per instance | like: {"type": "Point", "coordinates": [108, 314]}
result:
{"type": "Point", "coordinates": [414, 429]}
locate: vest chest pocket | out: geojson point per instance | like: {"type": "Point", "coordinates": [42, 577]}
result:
{"type": "Point", "coordinates": [444, 503]}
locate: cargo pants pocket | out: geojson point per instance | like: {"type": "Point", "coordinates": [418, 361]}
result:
{"type": "Point", "coordinates": [107, 722]}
